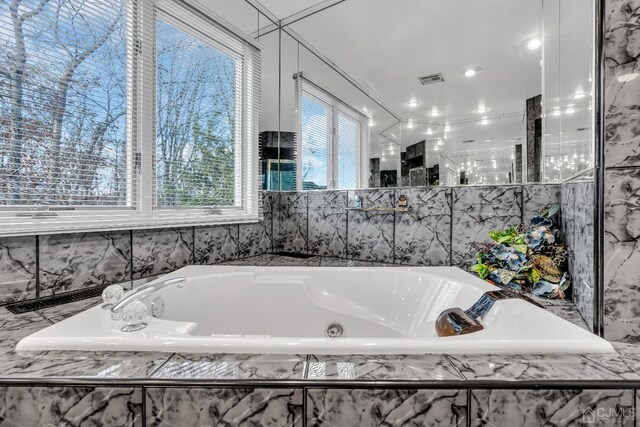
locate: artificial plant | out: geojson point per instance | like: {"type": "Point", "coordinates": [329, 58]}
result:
{"type": "Point", "coordinates": [526, 259]}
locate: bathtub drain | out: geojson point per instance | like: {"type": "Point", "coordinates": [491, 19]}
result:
{"type": "Point", "coordinates": [335, 330]}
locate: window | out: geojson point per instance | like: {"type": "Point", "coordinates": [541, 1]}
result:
{"type": "Point", "coordinates": [332, 137]}
{"type": "Point", "coordinates": [119, 114]}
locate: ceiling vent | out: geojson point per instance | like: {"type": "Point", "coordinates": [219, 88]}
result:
{"type": "Point", "coordinates": [431, 78]}
{"type": "Point", "coordinates": [466, 141]}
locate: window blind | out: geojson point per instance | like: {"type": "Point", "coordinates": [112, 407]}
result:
{"type": "Point", "coordinates": [63, 103]}
{"type": "Point", "coordinates": [348, 148]}
{"type": "Point", "coordinates": [128, 105]}
{"type": "Point", "coordinates": [332, 137]}
{"type": "Point", "coordinates": [316, 128]}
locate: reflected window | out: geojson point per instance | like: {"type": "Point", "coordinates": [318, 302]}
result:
{"type": "Point", "coordinates": [332, 136]}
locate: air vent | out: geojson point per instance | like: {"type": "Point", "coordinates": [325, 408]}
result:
{"type": "Point", "coordinates": [431, 78]}
{"type": "Point", "coordinates": [53, 300]}
{"type": "Point", "coordinates": [466, 141]}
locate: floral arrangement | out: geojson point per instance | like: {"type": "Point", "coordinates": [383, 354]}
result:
{"type": "Point", "coordinates": [526, 259]}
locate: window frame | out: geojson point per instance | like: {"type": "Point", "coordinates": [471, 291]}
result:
{"type": "Point", "coordinates": [141, 210]}
{"type": "Point", "coordinates": [306, 85]}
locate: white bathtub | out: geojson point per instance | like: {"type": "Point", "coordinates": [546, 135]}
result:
{"type": "Point", "coordinates": [286, 310]}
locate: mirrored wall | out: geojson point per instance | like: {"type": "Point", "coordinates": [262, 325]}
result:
{"type": "Point", "coordinates": [371, 93]}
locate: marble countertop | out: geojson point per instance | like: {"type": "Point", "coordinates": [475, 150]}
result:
{"type": "Point", "coordinates": [306, 369]}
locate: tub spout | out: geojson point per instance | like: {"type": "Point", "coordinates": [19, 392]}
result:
{"type": "Point", "coordinates": [146, 291]}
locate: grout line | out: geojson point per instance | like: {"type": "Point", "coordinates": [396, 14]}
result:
{"type": "Point", "coordinates": [305, 370]}
{"type": "Point", "coordinates": [193, 245]}
{"type": "Point", "coordinates": [612, 168]}
{"type": "Point", "coordinates": [446, 356]}
{"type": "Point", "coordinates": [469, 390]}
{"type": "Point", "coordinates": [144, 406]}
{"type": "Point", "coordinates": [131, 258]}
{"type": "Point", "coordinates": [304, 407]}
{"type": "Point", "coordinates": [37, 266]}
{"type": "Point", "coordinates": [160, 366]}
{"type": "Point", "coordinates": [451, 227]}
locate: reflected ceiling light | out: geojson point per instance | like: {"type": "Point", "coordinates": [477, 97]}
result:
{"type": "Point", "coordinates": [482, 110]}
{"type": "Point", "coordinates": [447, 128]}
{"type": "Point", "coordinates": [410, 124]}
{"type": "Point", "coordinates": [534, 43]}
{"type": "Point", "coordinates": [471, 72]}
{"type": "Point", "coordinates": [556, 111]}
{"type": "Point", "coordinates": [625, 78]}
{"type": "Point", "coordinates": [413, 103]}
{"type": "Point", "coordinates": [484, 121]}
{"type": "Point", "coordinates": [371, 123]}
{"type": "Point", "coordinates": [488, 140]}
{"type": "Point", "coordinates": [429, 131]}
{"type": "Point", "coordinates": [440, 142]}
{"type": "Point", "coordinates": [434, 112]}
{"type": "Point", "coordinates": [579, 95]}
{"type": "Point", "coordinates": [570, 109]}
{"type": "Point", "coordinates": [435, 148]}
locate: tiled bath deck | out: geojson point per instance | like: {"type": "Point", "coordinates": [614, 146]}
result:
{"type": "Point", "coordinates": [129, 388]}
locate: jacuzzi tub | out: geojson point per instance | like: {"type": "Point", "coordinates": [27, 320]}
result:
{"type": "Point", "coordinates": [287, 310]}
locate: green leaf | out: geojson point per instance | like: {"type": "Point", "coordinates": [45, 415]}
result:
{"type": "Point", "coordinates": [481, 269]}
{"type": "Point", "coordinates": [520, 248]}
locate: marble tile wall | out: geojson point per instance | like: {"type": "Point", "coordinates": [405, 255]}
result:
{"type": "Point", "coordinates": [577, 204]}
{"type": "Point", "coordinates": [41, 266]}
{"type": "Point", "coordinates": [437, 231]}
{"type": "Point", "coordinates": [313, 407]}
{"type": "Point", "coordinates": [443, 221]}
{"type": "Point", "coordinates": [622, 171]}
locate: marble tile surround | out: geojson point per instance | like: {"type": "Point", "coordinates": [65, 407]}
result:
{"type": "Point", "coordinates": [71, 262]}
{"type": "Point", "coordinates": [622, 170]}
{"type": "Point", "coordinates": [437, 231]}
{"type": "Point", "coordinates": [577, 206]}
{"type": "Point", "coordinates": [287, 405]}
{"type": "Point", "coordinates": [223, 407]}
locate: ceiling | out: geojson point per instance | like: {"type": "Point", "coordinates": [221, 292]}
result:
{"type": "Point", "coordinates": [385, 46]}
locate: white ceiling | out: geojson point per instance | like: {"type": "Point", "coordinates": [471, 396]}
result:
{"type": "Point", "coordinates": [386, 45]}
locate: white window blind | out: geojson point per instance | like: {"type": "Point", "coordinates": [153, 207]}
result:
{"type": "Point", "coordinates": [333, 136]}
{"type": "Point", "coordinates": [316, 128]}
{"type": "Point", "coordinates": [63, 87]}
{"type": "Point", "coordinates": [349, 131]}
{"type": "Point", "coordinates": [125, 114]}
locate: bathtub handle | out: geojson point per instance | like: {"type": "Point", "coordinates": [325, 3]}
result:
{"type": "Point", "coordinates": [146, 291]}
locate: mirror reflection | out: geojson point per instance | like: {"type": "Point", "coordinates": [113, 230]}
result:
{"type": "Point", "coordinates": [370, 93]}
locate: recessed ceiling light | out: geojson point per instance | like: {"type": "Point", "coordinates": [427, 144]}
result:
{"type": "Point", "coordinates": [434, 112]}
{"type": "Point", "coordinates": [413, 103]}
{"type": "Point", "coordinates": [471, 72]}
{"type": "Point", "coordinates": [534, 43]}
{"type": "Point", "coordinates": [488, 140]}
{"type": "Point", "coordinates": [447, 128]}
{"type": "Point", "coordinates": [484, 121]}
{"type": "Point", "coordinates": [482, 110]}
{"type": "Point", "coordinates": [429, 131]}
{"type": "Point", "coordinates": [579, 95]}
{"type": "Point", "coordinates": [570, 110]}
{"type": "Point", "coordinates": [410, 124]}
{"type": "Point", "coordinates": [371, 123]}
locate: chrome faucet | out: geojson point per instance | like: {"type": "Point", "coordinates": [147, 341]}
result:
{"type": "Point", "coordinates": [146, 291]}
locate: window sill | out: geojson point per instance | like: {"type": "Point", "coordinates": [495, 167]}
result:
{"type": "Point", "coordinates": [11, 227]}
